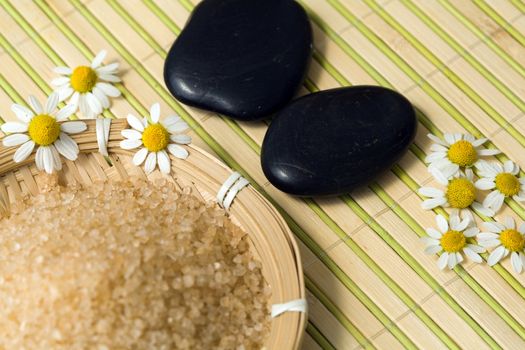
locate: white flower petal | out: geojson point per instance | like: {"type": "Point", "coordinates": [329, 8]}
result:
{"type": "Point", "coordinates": [60, 81]}
{"type": "Point", "coordinates": [459, 258]}
{"type": "Point", "coordinates": [496, 256]}
{"type": "Point", "coordinates": [102, 98]}
{"type": "Point", "coordinates": [181, 139]}
{"type": "Point", "coordinates": [39, 158]}
{"type": "Point", "coordinates": [178, 151]}
{"type": "Point", "coordinates": [430, 192]}
{"type": "Point", "coordinates": [98, 59]}
{"type": "Point", "coordinates": [495, 227]}
{"type": "Point", "coordinates": [35, 104]}
{"type": "Point", "coordinates": [516, 263]}
{"type": "Point", "coordinates": [154, 113]}
{"type": "Point", "coordinates": [485, 184]}
{"type": "Point", "coordinates": [508, 166]}
{"type": "Point", "coordinates": [73, 127]}
{"type": "Point", "coordinates": [432, 232]}
{"type": "Point", "coordinates": [177, 127]}
{"type": "Point", "coordinates": [482, 210]}
{"type": "Point", "coordinates": [140, 156]}
{"type": "Point", "coordinates": [429, 241]}
{"type": "Point", "coordinates": [108, 89]}
{"type": "Point", "coordinates": [109, 77]}
{"type": "Point", "coordinates": [15, 140]}
{"type": "Point", "coordinates": [449, 138]}
{"type": "Point", "coordinates": [435, 156]}
{"type": "Point", "coordinates": [24, 114]}
{"type": "Point", "coordinates": [478, 142]}
{"type": "Point", "coordinates": [472, 255]}
{"type": "Point", "coordinates": [450, 170]}
{"type": "Point", "coordinates": [438, 148]}
{"type": "Point", "coordinates": [64, 92]}
{"type": "Point", "coordinates": [462, 225]}
{"type": "Point", "coordinates": [509, 222]}
{"type": "Point", "coordinates": [171, 119]}
{"type": "Point", "coordinates": [130, 144]}
{"type": "Point", "coordinates": [437, 140]}
{"type": "Point", "coordinates": [151, 161]}
{"type": "Point", "coordinates": [164, 162]}
{"type": "Point", "coordinates": [47, 157]}
{"type": "Point", "coordinates": [67, 147]}
{"type": "Point", "coordinates": [454, 221]}
{"type": "Point", "coordinates": [75, 99]}
{"type": "Point", "coordinates": [471, 232]}
{"type": "Point", "coordinates": [488, 152]}
{"type": "Point", "coordinates": [452, 261]}
{"type": "Point", "coordinates": [494, 200]}
{"type": "Point", "coordinates": [65, 112]}
{"type": "Point", "coordinates": [521, 229]}
{"type": "Point", "coordinates": [94, 104]}
{"type": "Point", "coordinates": [430, 250]}
{"type": "Point", "coordinates": [490, 243]}
{"type": "Point", "coordinates": [433, 203]}
{"type": "Point", "coordinates": [10, 127]}
{"type": "Point", "coordinates": [108, 69]}
{"type": "Point", "coordinates": [135, 122]}
{"type": "Point", "coordinates": [83, 106]}
{"type": "Point", "coordinates": [131, 134]}
{"type": "Point", "coordinates": [442, 261]}
{"type": "Point", "coordinates": [56, 158]}
{"type": "Point", "coordinates": [520, 198]}
{"type": "Point", "coordinates": [23, 151]}
{"type": "Point", "coordinates": [442, 223]}
{"type": "Point", "coordinates": [469, 174]}
{"type": "Point", "coordinates": [63, 70]}
{"type": "Point", "coordinates": [485, 236]}
{"type": "Point", "coordinates": [438, 175]}
{"type": "Point", "coordinates": [476, 248]}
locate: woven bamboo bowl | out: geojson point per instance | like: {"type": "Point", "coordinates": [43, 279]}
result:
{"type": "Point", "coordinates": [272, 241]}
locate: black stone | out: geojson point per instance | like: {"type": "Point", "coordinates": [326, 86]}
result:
{"type": "Point", "coordinates": [242, 58]}
{"type": "Point", "coordinates": [330, 142]}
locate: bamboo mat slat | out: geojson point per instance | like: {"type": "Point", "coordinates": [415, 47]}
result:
{"type": "Point", "coordinates": [369, 283]}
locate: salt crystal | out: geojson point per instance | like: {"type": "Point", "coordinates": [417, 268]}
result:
{"type": "Point", "coordinates": [135, 265]}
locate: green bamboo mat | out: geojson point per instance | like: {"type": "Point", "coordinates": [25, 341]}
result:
{"type": "Point", "coordinates": [369, 283]}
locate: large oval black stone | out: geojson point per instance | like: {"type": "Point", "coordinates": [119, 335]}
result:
{"type": "Point", "coordinates": [333, 141]}
{"type": "Point", "coordinates": [242, 58]}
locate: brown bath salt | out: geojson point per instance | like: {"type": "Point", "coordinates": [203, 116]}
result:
{"type": "Point", "coordinates": [128, 265]}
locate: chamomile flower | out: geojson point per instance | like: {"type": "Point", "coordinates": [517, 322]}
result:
{"type": "Point", "coordinates": [504, 182]}
{"type": "Point", "coordinates": [88, 86]}
{"type": "Point", "coordinates": [459, 193]}
{"type": "Point", "coordinates": [456, 151]}
{"type": "Point", "coordinates": [451, 238]}
{"type": "Point", "coordinates": [156, 139]}
{"type": "Point", "coordinates": [40, 128]}
{"type": "Point", "coordinates": [506, 238]}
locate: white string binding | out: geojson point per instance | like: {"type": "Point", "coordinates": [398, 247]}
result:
{"type": "Point", "coordinates": [102, 130]}
{"type": "Point", "coordinates": [230, 188]}
{"type": "Point", "coordinates": [298, 305]}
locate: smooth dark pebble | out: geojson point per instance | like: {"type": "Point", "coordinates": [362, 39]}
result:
{"type": "Point", "coordinates": [242, 58]}
{"type": "Point", "coordinates": [331, 142]}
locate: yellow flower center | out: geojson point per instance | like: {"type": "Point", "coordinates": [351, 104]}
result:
{"type": "Point", "coordinates": [43, 129]}
{"type": "Point", "coordinates": [83, 79]}
{"type": "Point", "coordinates": [453, 241]}
{"type": "Point", "coordinates": [155, 137]}
{"type": "Point", "coordinates": [462, 153]}
{"type": "Point", "coordinates": [460, 193]}
{"type": "Point", "coordinates": [512, 240]}
{"type": "Point", "coordinates": [508, 184]}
